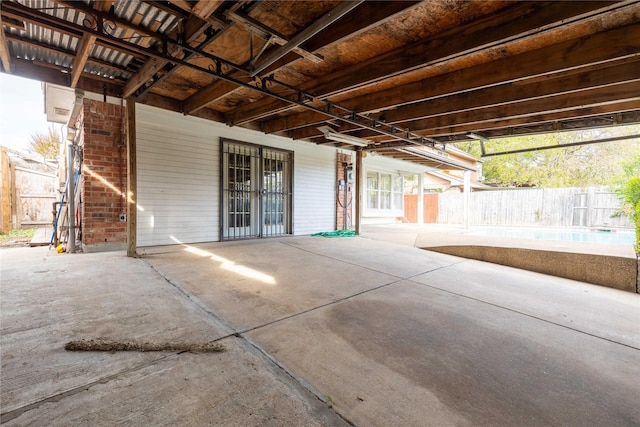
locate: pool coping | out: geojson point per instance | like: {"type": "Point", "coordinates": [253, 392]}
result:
{"type": "Point", "coordinates": [608, 265]}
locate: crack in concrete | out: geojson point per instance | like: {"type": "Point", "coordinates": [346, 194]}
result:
{"type": "Point", "coordinates": [304, 384]}
{"type": "Point", "coordinates": [10, 415]}
{"type": "Point", "coordinates": [195, 301]}
{"type": "Point", "coordinates": [15, 413]}
{"type": "Point", "coordinates": [239, 334]}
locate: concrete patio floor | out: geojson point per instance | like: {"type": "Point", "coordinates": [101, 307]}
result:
{"type": "Point", "coordinates": [318, 331]}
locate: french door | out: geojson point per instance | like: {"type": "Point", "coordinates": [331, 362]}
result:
{"type": "Point", "coordinates": [256, 191]}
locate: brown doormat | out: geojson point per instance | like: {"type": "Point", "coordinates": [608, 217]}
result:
{"type": "Point", "coordinates": [104, 345]}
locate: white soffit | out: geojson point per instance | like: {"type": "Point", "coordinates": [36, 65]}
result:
{"type": "Point", "coordinates": [385, 163]}
{"type": "Point", "coordinates": [58, 103]}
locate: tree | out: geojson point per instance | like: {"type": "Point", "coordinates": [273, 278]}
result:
{"type": "Point", "coordinates": [630, 193]}
{"type": "Point", "coordinates": [47, 144]}
{"type": "Point", "coordinates": [593, 164]}
{"type": "Point", "coordinates": [628, 190]}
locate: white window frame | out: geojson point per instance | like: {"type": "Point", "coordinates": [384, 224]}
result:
{"type": "Point", "coordinates": [394, 190]}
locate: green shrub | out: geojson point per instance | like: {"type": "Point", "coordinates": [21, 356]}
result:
{"type": "Point", "coordinates": [630, 194]}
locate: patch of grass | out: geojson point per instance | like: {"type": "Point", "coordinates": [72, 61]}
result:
{"type": "Point", "coordinates": [26, 233]}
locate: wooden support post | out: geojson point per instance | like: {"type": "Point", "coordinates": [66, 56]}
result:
{"type": "Point", "coordinates": [358, 194]}
{"type": "Point", "coordinates": [5, 55]}
{"type": "Point", "coordinates": [132, 183]}
{"type": "Point", "coordinates": [5, 195]}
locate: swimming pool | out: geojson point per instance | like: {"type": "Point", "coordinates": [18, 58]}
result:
{"type": "Point", "coordinates": [610, 237]}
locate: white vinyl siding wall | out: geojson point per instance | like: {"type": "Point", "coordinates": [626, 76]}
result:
{"type": "Point", "coordinates": [178, 179]}
{"type": "Point", "coordinates": [314, 190]}
{"type": "Point", "coordinates": [178, 160]}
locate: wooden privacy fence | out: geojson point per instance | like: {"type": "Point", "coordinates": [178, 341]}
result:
{"type": "Point", "coordinates": [549, 207]}
{"type": "Point", "coordinates": [29, 189]}
{"type": "Point", "coordinates": [430, 208]}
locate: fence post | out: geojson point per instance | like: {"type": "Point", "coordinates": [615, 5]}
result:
{"type": "Point", "coordinates": [5, 217]}
{"type": "Point", "coordinates": [467, 193]}
{"type": "Point", "coordinates": [16, 222]}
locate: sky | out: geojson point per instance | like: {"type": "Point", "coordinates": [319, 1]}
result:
{"type": "Point", "coordinates": [21, 111]}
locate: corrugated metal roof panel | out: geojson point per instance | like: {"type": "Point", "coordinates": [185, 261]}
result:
{"type": "Point", "coordinates": [106, 72]}
{"type": "Point", "coordinates": [32, 53]}
{"type": "Point", "coordinates": [137, 11]}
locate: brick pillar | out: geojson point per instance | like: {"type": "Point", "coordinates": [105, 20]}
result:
{"type": "Point", "coordinates": [342, 158]}
{"type": "Point", "coordinates": [104, 177]}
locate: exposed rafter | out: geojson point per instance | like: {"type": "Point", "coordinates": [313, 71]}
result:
{"type": "Point", "coordinates": [84, 49]}
{"type": "Point", "coordinates": [369, 14]}
{"type": "Point", "coordinates": [399, 74]}
{"type": "Point", "coordinates": [492, 96]}
{"type": "Point", "coordinates": [520, 21]}
{"type": "Point", "coordinates": [571, 57]}
{"type": "Point", "coordinates": [544, 122]}
{"type": "Point", "coordinates": [203, 10]}
{"type": "Point", "coordinates": [5, 55]}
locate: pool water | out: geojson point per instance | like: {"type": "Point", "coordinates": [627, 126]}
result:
{"type": "Point", "coordinates": [613, 237]}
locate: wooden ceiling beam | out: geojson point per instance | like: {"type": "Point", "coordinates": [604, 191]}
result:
{"type": "Point", "coordinates": [619, 72]}
{"type": "Point", "coordinates": [572, 56]}
{"type": "Point", "coordinates": [591, 102]}
{"type": "Point", "coordinates": [204, 8]}
{"type": "Point", "coordinates": [165, 103]}
{"type": "Point", "coordinates": [103, 5]}
{"type": "Point", "coordinates": [80, 59]}
{"type": "Point", "coordinates": [200, 10]}
{"type": "Point", "coordinates": [5, 54]}
{"type": "Point", "coordinates": [29, 70]}
{"type": "Point", "coordinates": [32, 20]}
{"type": "Point", "coordinates": [182, 4]}
{"type": "Point", "coordinates": [167, 7]}
{"type": "Point", "coordinates": [598, 101]}
{"type": "Point", "coordinates": [85, 75]}
{"type": "Point", "coordinates": [368, 15]}
{"type": "Point", "coordinates": [144, 74]}
{"type": "Point", "coordinates": [515, 93]}
{"type": "Point", "coordinates": [613, 94]}
{"type": "Point", "coordinates": [585, 112]}
{"type": "Point", "coordinates": [522, 20]}
{"type": "Point", "coordinates": [14, 23]}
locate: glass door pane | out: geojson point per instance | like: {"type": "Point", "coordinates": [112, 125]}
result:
{"type": "Point", "coordinates": [256, 191]}
{"type": "Point", "coordinates": [276, 193]}
{"type": "Point", "coordinates": [240, 192]}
